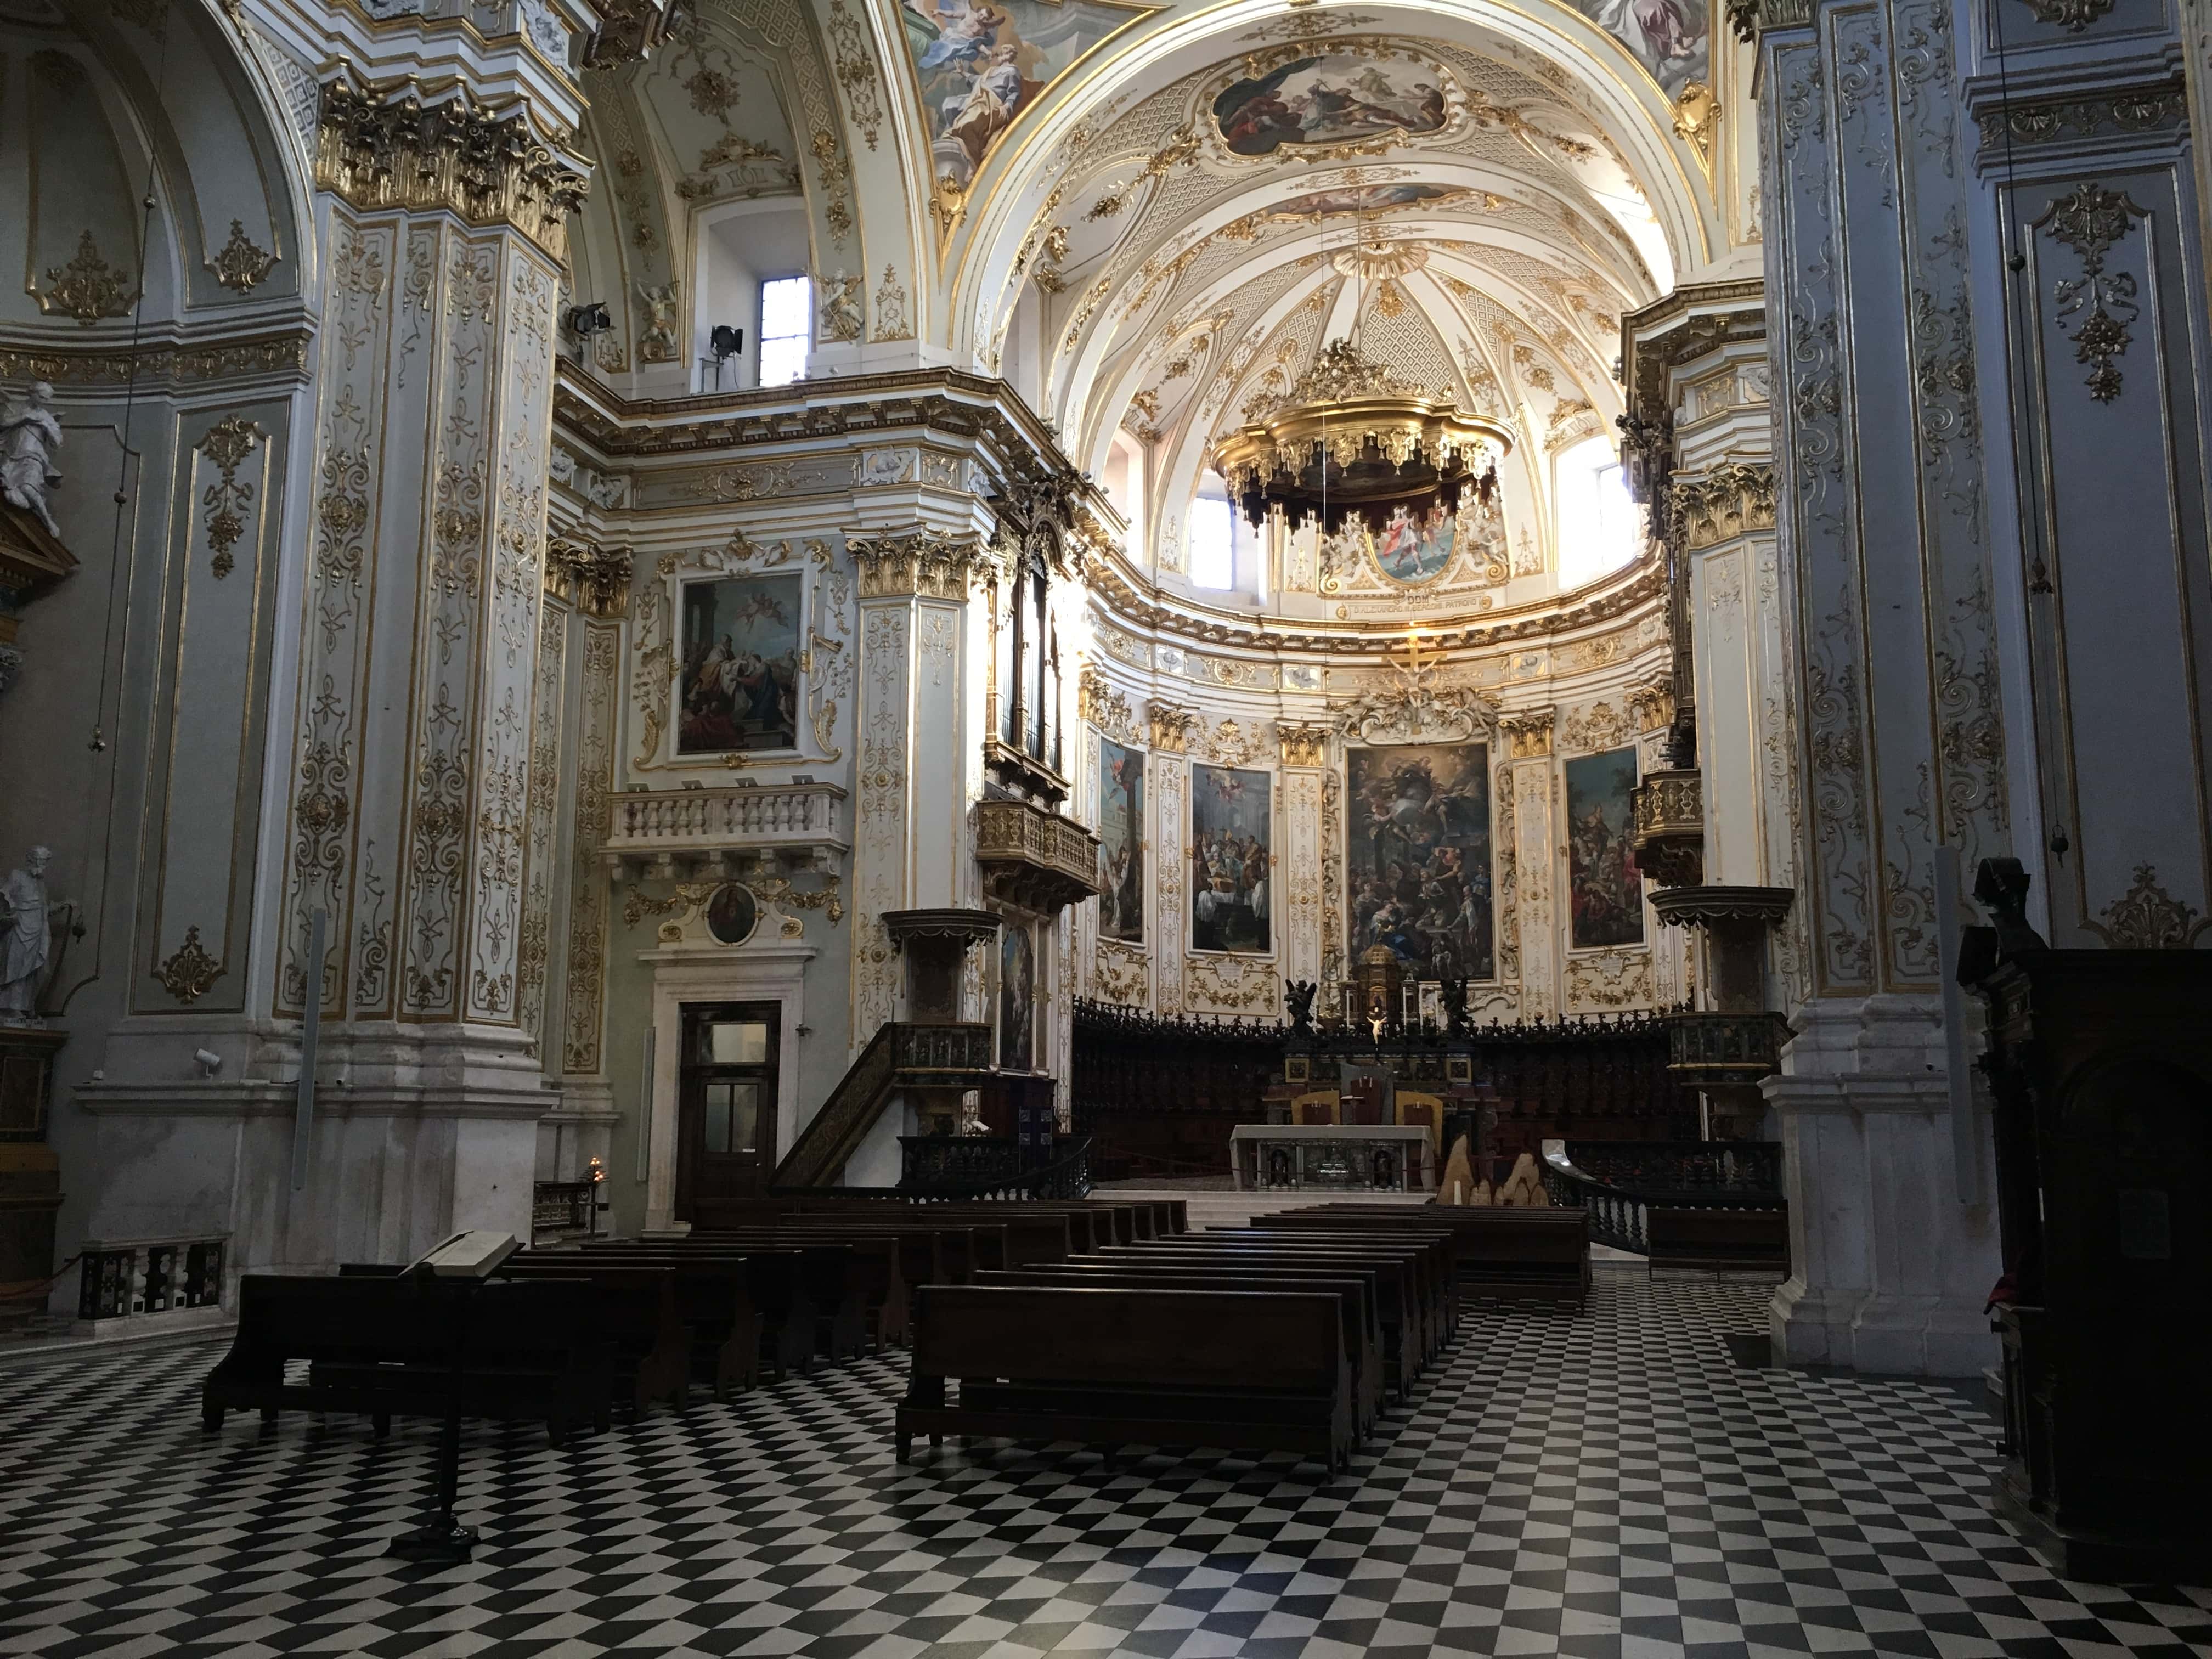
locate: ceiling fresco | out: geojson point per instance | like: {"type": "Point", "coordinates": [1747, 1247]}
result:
{"type": "Point", "coordinates": [1150, 223]}
{"type": "Point", "coordinates": [980, 65]}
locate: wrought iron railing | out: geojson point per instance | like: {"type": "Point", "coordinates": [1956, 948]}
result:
{"type": "Point", "coordinates": [929, 1163]}
{"type": "Point", "coordinates": [1620, 1183]}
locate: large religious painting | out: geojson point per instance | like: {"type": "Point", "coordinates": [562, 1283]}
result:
{"type": "Point", "coordinates": [1335, 98]}
{"type": "Point", "coordinates": [1120, 842]}
{"type": "Point", "coordinates": [740, 675]}
{"type": "Point", "coordinates": [1415, 546]}
{"type": "Point", "coordinates": [1231, 847]}
{"type": "Point", "coordinates": [1417, 856]}
{"type": "Point", "coordinates": [982, 62]}
{"type": "Point", "coordinates": [1017, 998]}
{"type": "Point", "coordinates": [1363, 199]}
{"type": "Point", "coordinates": [1605, 889]}
{"type": "Point", "coordinates": [1669, 38]}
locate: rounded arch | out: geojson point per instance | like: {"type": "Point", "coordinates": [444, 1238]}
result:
{"type": "Point", "coordinates": [1586, 66]}
{"type": "Point", "coordinates": [175, 107]}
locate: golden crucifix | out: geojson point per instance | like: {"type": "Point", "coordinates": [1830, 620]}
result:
{"type": "Point", "coordinates": [1414, 665]}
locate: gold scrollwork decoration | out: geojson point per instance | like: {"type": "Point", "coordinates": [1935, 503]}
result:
{"type": "Point", "coordinates": [240, 264]}
{"type": "Point", "coordinates": [86, 287]}
{"type": "Point", "coordinates": [190, 971]}
{"type": "Point", "coordinates": [2072, 15]}
{"type": "Point", "coordinates": [227, 445]}
{"type": "Point", "coordinates": [2092, 221]}
{"type": "Point", "coordinates": [2148, 918]}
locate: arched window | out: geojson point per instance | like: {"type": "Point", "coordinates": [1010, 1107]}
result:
{"type": "Point", "coordinates": [1597, 515]}
{"type": "Point", "coordinates": [1223, 549]}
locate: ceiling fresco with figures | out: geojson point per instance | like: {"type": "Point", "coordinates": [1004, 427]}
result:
{"type": "Point", "coordinates": [1153, 225]}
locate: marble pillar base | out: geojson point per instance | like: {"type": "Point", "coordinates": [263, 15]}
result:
{"type": "Point", "coordinates": [1890, 1271]}
{"type": "Point", "coordinates": [412, 1140]}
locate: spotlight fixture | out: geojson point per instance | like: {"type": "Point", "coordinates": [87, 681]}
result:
{"type": "Point", "coordinates": [586, 321]}
{"type": "Point", "coordinates": [723, 343]}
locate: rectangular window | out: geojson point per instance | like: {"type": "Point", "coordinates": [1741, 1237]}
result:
{"type": "Point", "coordinates": [787, 326]}
{"type": "Point", "coordinates": [1212, 543]}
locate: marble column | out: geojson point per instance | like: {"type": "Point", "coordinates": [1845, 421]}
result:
{"type": "Point", "coordinates": [923, 639]}
{"type": "Point", "coordinates": [421, 661]}
{"type": "Point", "coordinates": [1884, 575]}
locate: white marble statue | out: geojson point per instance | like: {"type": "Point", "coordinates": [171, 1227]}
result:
{"type": "Point", "coordinates": [24, 909]}
{"type": "Point", "coordinates": [29, 435]}
{"type": "Point", "coordinates": [656, 343]}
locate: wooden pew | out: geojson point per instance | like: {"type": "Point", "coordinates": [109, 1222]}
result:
{"type": "Point", "coordinates": [1431, 1307]}
{"type": "Point", "coordinates": [1363, 1330]}
{"type": "Point", "coordinates": [1397, 1302]}
{"type": "Point", "coordinates": [650, 1347]}
{"type": "Point", "coordinates": [1512, 1252]}
{"type": "Point", "coordinates": [1731, 1240]}
{"type": "Point", "coordinates": [1431, 1248]}
{"type": "Point", "coordinates": [1108, 1367]}
{"type": "Point", "coordinates": [723, 1293]}
{"type": "Point", "coordinates": [1006, 1235]}
{"type": "Point", "coordinates": [532, 1349]}
{"type": "Point", "coordinates": [854, 1275]}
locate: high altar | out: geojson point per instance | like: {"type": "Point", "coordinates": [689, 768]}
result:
{"type": "Point", "coordinates": [1379, 1066]}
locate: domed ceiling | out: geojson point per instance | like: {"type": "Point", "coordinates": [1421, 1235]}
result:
{"type": "Point", "coordinates": [1151, 224]}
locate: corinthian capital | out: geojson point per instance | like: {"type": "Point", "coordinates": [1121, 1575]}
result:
{"type": "Point", "coordinates": [383, 147]}
{"type": "Point", "coordinates": [925, 563]}
{"type": "Point", "coordinates": [594, 579]}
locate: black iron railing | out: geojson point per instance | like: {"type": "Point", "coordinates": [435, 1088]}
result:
{"type": "Point", "coordinates": [1621, 1183]}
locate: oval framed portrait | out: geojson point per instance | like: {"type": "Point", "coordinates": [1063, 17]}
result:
{"type": "Point", "coordinates": [732, 914]}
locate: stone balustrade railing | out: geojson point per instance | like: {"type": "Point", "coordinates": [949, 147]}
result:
{"type": "Point", "coordinates": [691, 825]}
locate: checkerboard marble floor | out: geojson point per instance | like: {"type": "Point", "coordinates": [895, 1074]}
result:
{"type": "Point", "coordinates": [1606, 1483]}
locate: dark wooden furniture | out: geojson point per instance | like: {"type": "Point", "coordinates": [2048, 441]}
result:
{"type": "Point", "coordinates": [649, 1345]}
{"type": "Point", "coordinates": [728, 1296]}
{"type": "Point", "coordinates": [530, 1350]}
{"type": "Point", "coordinates": [1518, 1254]}
{"type": "Point", "coordinates": [1363, 1329]}
{"type": "Point", "coordinates": [2102, 1074]}
{"type": "Point", "coordinates": [1240, 1370]}
{"type": "Point", "coordinates": [1726, 1240]}
{"type": "Point", "coordinates": [1400, 1308]}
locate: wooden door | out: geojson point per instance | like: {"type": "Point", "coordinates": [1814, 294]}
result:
{"type": "Point", "coordinates": [726, 1146]}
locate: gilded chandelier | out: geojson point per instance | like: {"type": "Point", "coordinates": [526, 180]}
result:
{"type": "Point", "coordinates": [1349, 440]}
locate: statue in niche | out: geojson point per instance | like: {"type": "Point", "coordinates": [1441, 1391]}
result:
{"type": "Point", "coordinates": [30, 432]}
{"type": "Point", "coordinates": [25, 939]}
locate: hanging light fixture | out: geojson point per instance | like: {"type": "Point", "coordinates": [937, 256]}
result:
{"type": "Point", "coordinates": [1351, 441]}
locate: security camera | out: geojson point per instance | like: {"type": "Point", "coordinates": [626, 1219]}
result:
{"type": "Point", "coordinates": [210, 1062]}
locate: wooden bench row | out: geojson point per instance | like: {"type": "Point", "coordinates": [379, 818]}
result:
{"type": "Point", "coordinates": [564, 1336]}
{"type": "Point", "coordinates": [1540, 1254]}
{"type": "Point", "coordinates": [1253, 1339]}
